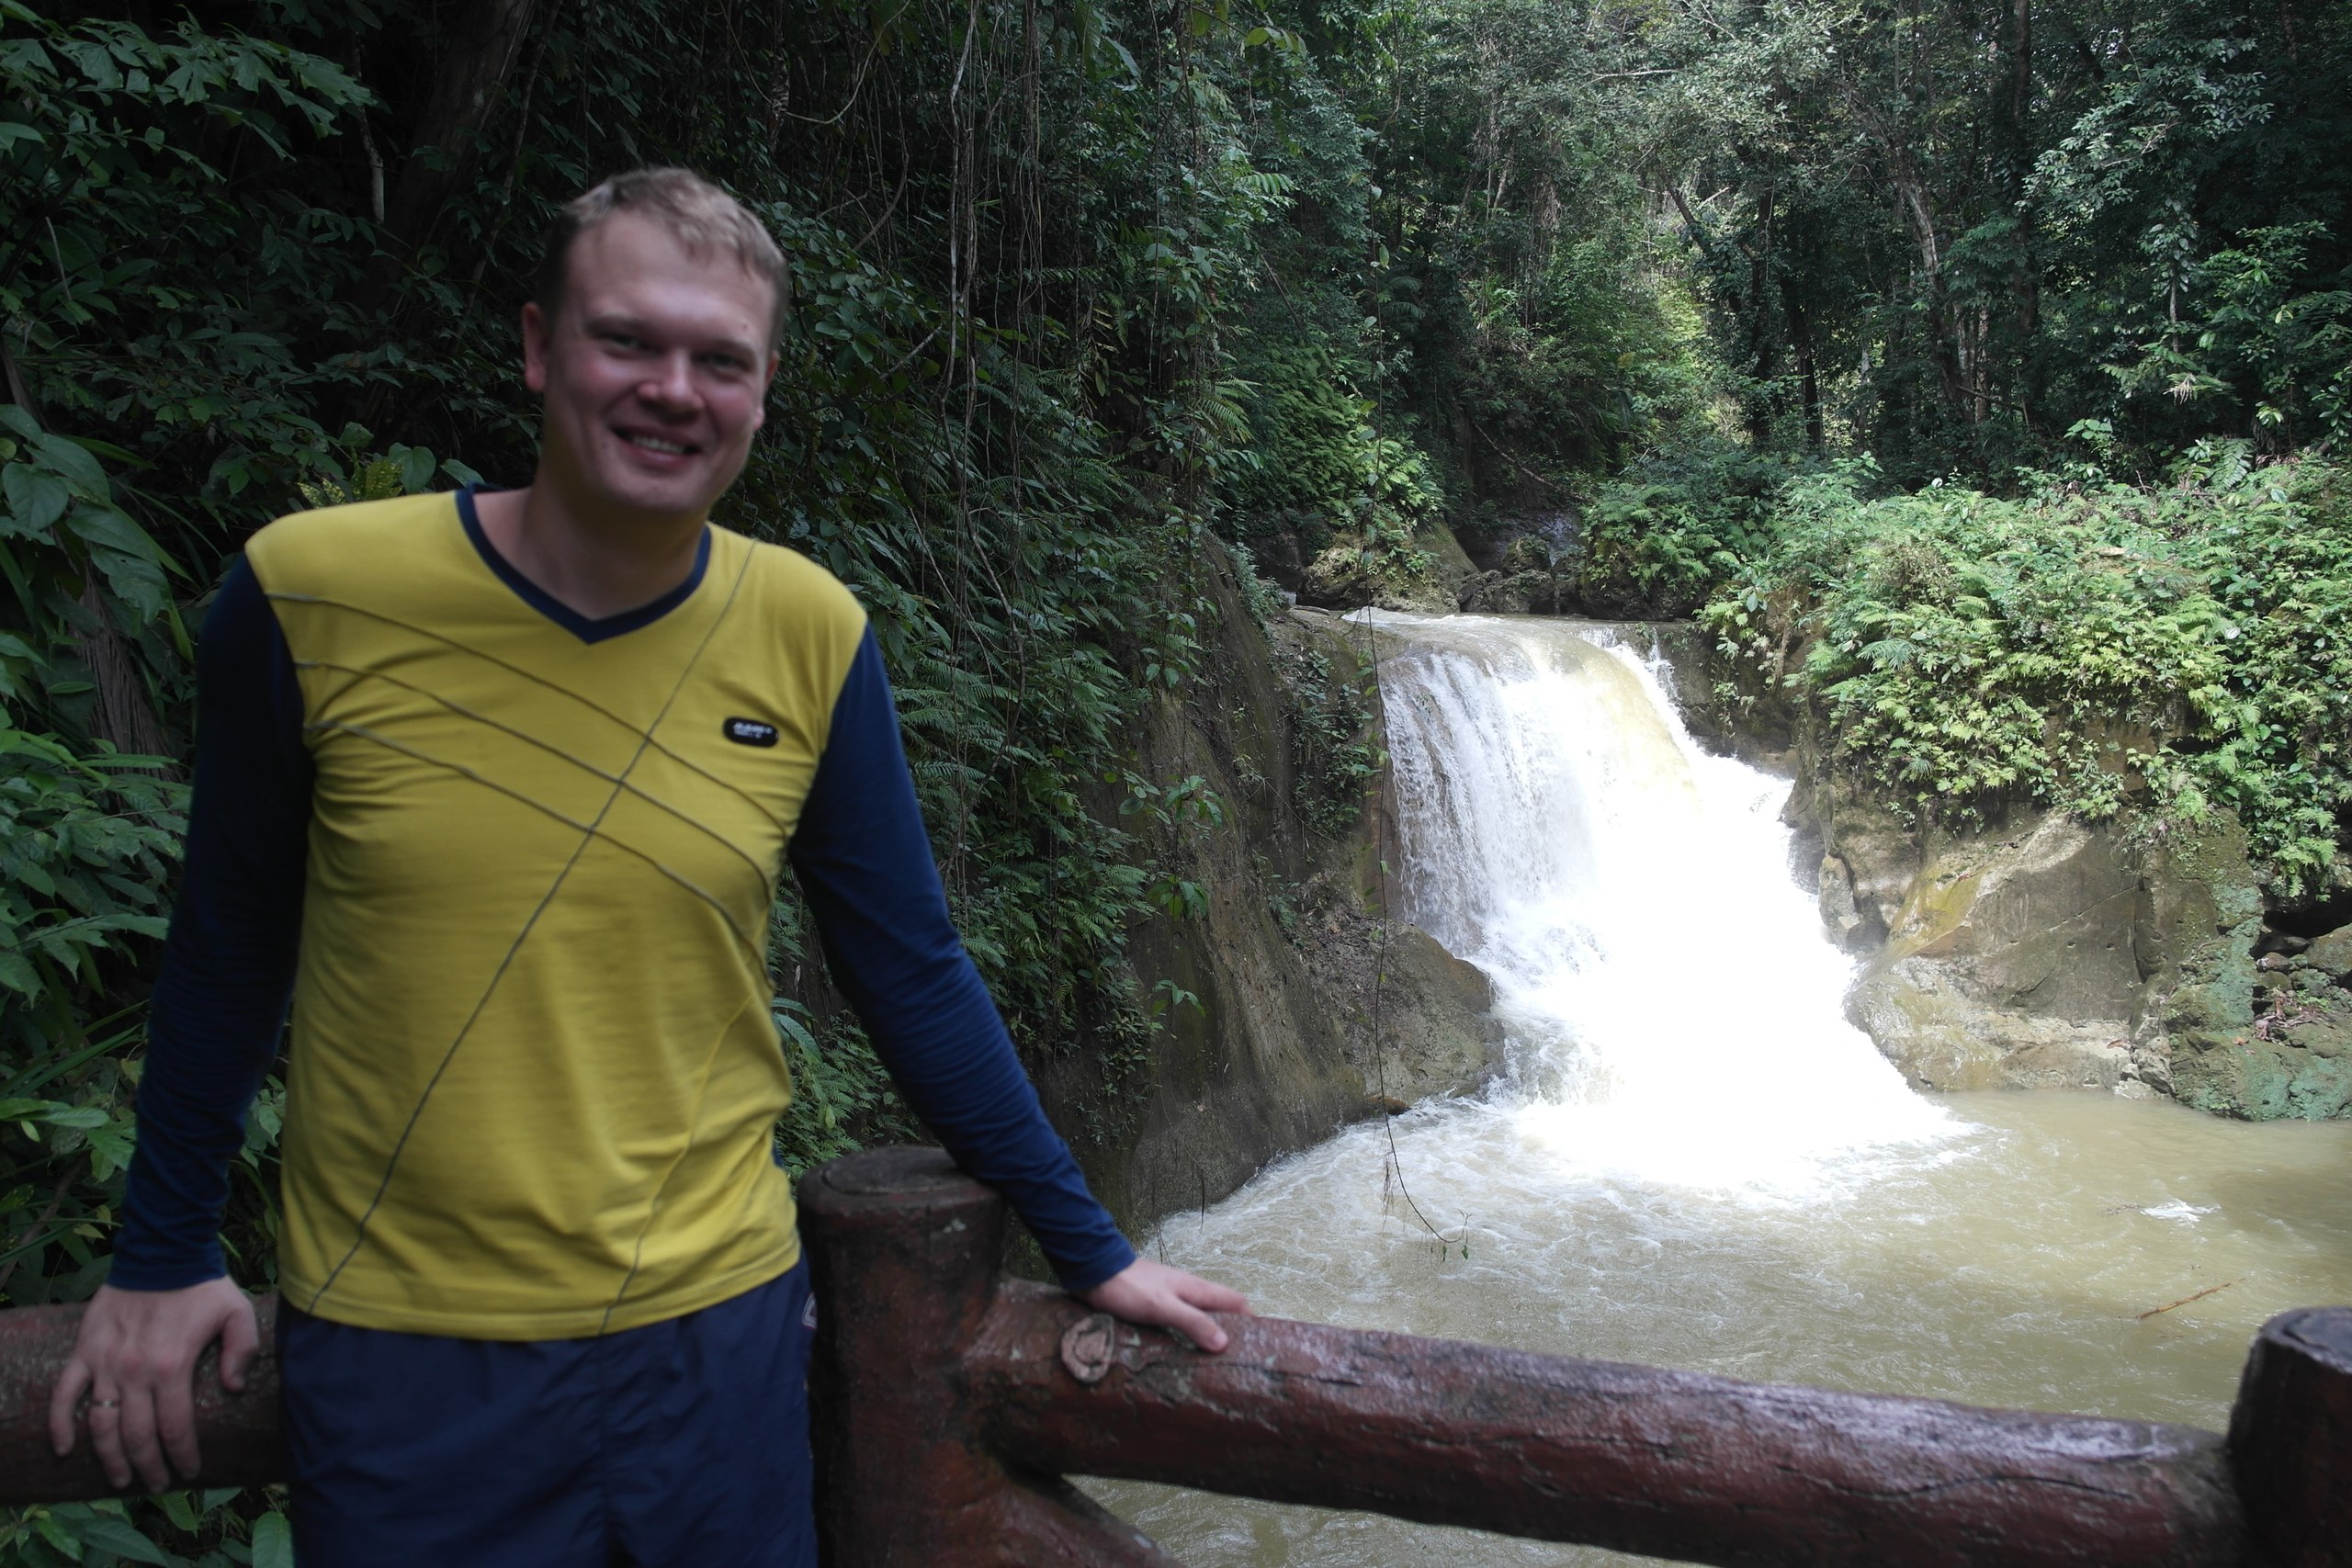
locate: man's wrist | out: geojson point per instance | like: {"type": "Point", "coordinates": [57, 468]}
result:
{"type": "Point", "coordinates": [1099, 1269]}
{"type": "Point", "coordinates": [131, 1271]}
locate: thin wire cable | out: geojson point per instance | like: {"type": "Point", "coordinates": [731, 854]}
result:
{"type": "Point", "coordinates": [1395, 1168]}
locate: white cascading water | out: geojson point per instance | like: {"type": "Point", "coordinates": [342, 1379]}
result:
{"type": "Point", "coordinates": [1673, 1011]}
{"type": "Point", "coordinates": [1694, 1161]}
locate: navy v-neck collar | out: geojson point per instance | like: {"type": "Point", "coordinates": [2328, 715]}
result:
{"type": "Point", "coordinates": [586, 628]}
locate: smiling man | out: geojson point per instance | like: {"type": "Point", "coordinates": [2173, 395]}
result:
{"type": "Point", "coordinates": [497, 786]}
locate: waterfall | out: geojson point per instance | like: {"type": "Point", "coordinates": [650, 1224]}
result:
{"type": "Point", "coordinates": [1674, 1009]}
{"type": "Point", "coordinates": [1693, 1160]}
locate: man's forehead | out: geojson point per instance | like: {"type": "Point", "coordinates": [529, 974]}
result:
{"type": "Point", "coordinates": [628, 265]}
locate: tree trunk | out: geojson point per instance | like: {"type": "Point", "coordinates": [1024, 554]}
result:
{"type": "Point", "coordinates": [124, 716]}
{"type": "Point", "coordinates": [1914, 198]}
{"type": "Point", "coordinates": [480, 55]}
{"type": "Point", "coordinates": [1801, 339]}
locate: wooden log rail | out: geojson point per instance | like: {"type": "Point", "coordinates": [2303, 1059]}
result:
{"type": "Point", "coordinates": [950, 1400]}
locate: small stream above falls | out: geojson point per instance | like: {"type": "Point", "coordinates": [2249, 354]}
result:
{"type": "Point", "coordinates": [1694, 1160]}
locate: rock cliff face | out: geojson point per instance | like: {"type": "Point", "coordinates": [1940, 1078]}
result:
{"type": "Point", "coordinates": [1308, 1010]}
{"type": "Point", "coordinates": [2052, 954]}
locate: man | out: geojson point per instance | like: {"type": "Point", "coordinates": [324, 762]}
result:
{"type": "Point", "coordinates": [498, 785]}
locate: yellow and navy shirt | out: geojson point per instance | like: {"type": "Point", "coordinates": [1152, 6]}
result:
{"type": "Point", "coordinates": [515, 866]}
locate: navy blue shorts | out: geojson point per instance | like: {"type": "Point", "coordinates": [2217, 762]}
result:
{"type": "Point", "coordinates": [684, 1442]}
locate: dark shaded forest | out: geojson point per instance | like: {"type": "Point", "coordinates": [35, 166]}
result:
{"type": "Point", "coordinates": [1976, 369]}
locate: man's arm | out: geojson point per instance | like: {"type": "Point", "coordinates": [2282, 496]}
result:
{"type": "Point", "coordinates": [219, 1002]}
{"type": "Point", "coordinates": [865, 862]}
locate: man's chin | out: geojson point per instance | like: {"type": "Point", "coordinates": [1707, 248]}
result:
{"type": "Point", "coordinates": [655, 497]}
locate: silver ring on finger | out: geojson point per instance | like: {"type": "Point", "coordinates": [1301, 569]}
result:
{"type": "Point", "coordinates": [106, 1405]}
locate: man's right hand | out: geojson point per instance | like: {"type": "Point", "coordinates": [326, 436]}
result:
{"type": "Point", "coordinates": [135, 1360]}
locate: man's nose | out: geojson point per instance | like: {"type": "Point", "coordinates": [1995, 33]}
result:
{"type": "Point", "coordinates": [669, 382]}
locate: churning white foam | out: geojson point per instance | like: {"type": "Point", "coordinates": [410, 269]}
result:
{"type": "Point", "coordinates": [1674, 1010]}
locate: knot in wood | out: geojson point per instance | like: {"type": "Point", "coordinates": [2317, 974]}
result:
{"type": "Point", "coordinates": [1087, 1346]}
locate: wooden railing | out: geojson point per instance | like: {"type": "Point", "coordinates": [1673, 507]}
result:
{"type": "Point", "coordinates": [950, 1400]}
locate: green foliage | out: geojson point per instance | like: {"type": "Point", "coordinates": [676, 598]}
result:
{"type": "Point", "coordinates": [2088, 647]}
{"type": "Point", "coordinates": [2256, 328]}
{"type": "Point", "coordinates": [1658, 540]}
{"type": "Point", "coordinates": [842, 1097]}
{"type": "Point", "coordinates": [1318, 449]}
{"type": "Point", "coordinates": [223, 1528]}
{"type": "Point", "coordinates": [1332, 746]}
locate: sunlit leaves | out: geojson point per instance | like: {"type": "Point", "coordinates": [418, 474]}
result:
{"type": "Point", "coordinates": [2173, 648]}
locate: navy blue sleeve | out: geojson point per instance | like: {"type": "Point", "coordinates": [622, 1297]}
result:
{"type": "Point", "coordinates": [228, 960]}
{"type": "Point", "coordinates": [864, 862]}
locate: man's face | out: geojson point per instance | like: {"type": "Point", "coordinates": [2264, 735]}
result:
{"type": "Point", "coordinates": [653, 374]}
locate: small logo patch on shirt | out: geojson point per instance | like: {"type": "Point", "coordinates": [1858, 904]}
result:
{"type": "Point", "coordinates": [749, 731]}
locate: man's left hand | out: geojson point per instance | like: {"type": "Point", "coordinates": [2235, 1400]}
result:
{"type": "Point", "coordinates": [1147, 1291]}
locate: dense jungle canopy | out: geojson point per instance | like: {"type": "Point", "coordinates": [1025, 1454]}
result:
{"type": "Point", "coordinates": [1972, 364]}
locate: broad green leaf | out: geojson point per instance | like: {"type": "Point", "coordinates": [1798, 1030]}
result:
{"type": "Point", "coordinates": [75, 464]}
{"type": "Point", "coordinates": [110, 1534]}
{"type": "Point", "coordinates": [273, 1542]}
{"type": "Point", "coordinates": [104, 525]}
{"type": "Point", "coordinates": [36, 499]}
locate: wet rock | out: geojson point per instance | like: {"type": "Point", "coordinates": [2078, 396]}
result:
{"type": "Point", "coordinates": [1342, 578]}
{"type": "Point", "coordinates": [1529, 552]}
{"type": "Point", "coordinates": [1449, 565]}
{"type": "Point", "coordinates": [2058, 953]}
{"type": "Point", "coordinates": [1841, 915]}
{"type": "Point", "coordinates": [1509, 594]}
{"type": "Point", "coordinates": [1930, 1023]}
{"type": "Point", "coordinates": [2260, 1037]}
{"type": "Point", "coordinates": [1436, 1031]}
{"type": "Point", "coordinates": [2332, 955]}
{"type": "Point", "coordinates": [1869, 863]}
{"type": "Point", "coordinates": [2010, 965]}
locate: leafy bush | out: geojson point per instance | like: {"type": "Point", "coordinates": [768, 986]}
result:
{"type": "Point", "coordinates": [1320, 462]}
{"type": "Point", "coordinates": [2088, 647]}
{"type": "Point", "coordinates": [1657, 540]}
{"type": "Point", "coordinates": [1333, 746]}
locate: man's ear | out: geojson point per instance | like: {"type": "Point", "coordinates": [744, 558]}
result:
{"type": "Point", "coordinates": [768, 384]}
{"type": "Point", "coordinates": [536, 327]}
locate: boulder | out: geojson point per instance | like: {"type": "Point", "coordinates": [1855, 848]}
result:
{"type": "Point", "coordinates": [2009, 964]}
{"type": "Point", "coordinates": [2332, 955]}
{"type": "Point", "coordinates": [1509, 594]}
{"type": "Point", "coordinates": [1529, 552]}
{"type": "Point", "coordinates": [1436, 1031]}
{"type": "Point", "coordinates": [1339, 578]}
{"type": "Point", "coordinates": [2060, 953]}
{"type": "Point", "coordinates": [1868, 864]}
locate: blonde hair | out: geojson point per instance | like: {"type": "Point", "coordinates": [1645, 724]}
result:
{"type": "Point", "coordinates": [697, 213]}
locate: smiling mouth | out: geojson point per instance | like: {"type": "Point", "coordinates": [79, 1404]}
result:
{"type": "Point", "coordinates": [667, 447]}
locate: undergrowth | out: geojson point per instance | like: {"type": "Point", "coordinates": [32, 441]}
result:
{"type": "Point", "coordinates": [2086, 646]}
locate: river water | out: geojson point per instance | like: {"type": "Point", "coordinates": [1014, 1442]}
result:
{"type": "Point", "coordinates": [1694, 1161]}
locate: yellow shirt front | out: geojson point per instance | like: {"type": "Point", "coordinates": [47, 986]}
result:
{"type": "Point", "coordinates": [535, 1070]}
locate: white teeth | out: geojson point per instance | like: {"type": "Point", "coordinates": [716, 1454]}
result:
{"type": "Point", "coordinates": [655, 443]}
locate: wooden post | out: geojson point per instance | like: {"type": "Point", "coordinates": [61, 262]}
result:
{"type": "Point", "coordinates": [903, 1251]}
{"type": "Point", "coordinates": [2291, 1440]}
{"type": "Point", "coordinates": [237, 1432]}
